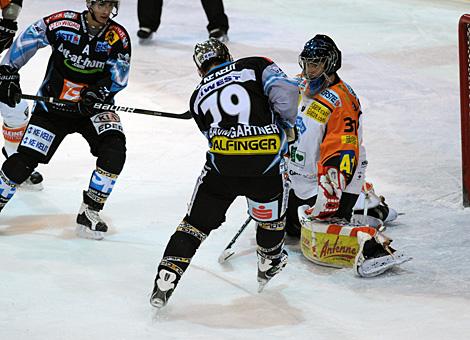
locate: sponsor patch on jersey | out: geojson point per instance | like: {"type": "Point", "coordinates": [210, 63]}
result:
{"type": "Point", "coordinates": [64, 23]}
{"type": "Point", "coordinates": [299, 123]}
{"type": "Point", "coordinates": [71, 91]}
{"type": "Point", "coordinates": [79, 63]}
{"type": "Point", "coordinates": [54, 17]}
{"type": "Point", "coordinates": [263, 211]}
{"type": "Point", "coordinates": [256, 145]}
{"type": "Point", "coordinates": [332, 97]}
{"type": "Point", "coordinates": [111, 37]}
{"type": "Point", "coordinates": [102, 46]}
{"type": "Point", "coordinates": [107, 121]}
{"type": "Point", "coordinates": [298, 157]}
{"type": "Point", "coordinates": [318, 112]}
{"type": "Point", "coordinates": [38, 139]}
{"type": "Point", "coordinates": [74, 38]}
{"type": "Point", "coordinates": [349, 139]}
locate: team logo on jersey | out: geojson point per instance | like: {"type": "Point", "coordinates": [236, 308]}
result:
{"type": "Point", "coordinates": [255, 145]}
{"type": "Point", "coordinates": [63, 24]}
{"type": "Point", "coordinates": [111, 37]}
{"type": "Point", "coordinates": [121, 34]}
{"type": "Point", "coordinates": [318, 112]}
{"type": "Point", "coordinates": [107, 121]}
{"type": "Point", "coordinates": [74, 38]}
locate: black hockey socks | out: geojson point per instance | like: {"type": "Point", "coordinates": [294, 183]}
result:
{"type": "Point", "coordinates": [176, 259]}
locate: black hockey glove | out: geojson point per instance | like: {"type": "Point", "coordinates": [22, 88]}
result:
{"type": "Point", "coordinates": [8, 30]}
{"type": "Point", "coordinates": [89, 97]}
{"type": "Point", "coordinates": [10, 90]}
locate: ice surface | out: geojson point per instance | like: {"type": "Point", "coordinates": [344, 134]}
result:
{"type": "Point", "coordinates": [401, 59]}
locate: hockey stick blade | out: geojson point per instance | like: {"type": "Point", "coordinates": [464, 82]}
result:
{"type": "Point", "coordinates": [111, 107]}
{"type": "Point", "coordinates": [226, 254]}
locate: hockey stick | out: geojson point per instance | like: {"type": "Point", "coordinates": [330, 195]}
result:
{"type": "Point", "coordinates": [228, 252]}
{"type": "Point", "coordinates": [111, 107]}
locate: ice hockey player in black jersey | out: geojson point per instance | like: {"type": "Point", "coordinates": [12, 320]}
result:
{"type": "Point", "coordinates": [242, 107]}
{"type": "Point", "coordinates": [89, 64]}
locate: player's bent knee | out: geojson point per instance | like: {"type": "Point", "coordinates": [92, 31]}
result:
{"type": "Point", "coordinates": [112, 154]}
{"type": "Point", "coordinates": [18, 167]}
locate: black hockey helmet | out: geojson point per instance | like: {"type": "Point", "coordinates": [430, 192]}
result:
{"type": "Point", "coordinates": [321, 49]}
{"type": "Point", "coordinates": [210, 51]}
{"type": "Point", "coordinates": [116, 4]}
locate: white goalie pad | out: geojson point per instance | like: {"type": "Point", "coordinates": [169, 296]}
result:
{"type": "Point", "coordinates": [342, 245]}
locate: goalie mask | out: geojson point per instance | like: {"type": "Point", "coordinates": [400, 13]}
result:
{"type": "Point", "coordinates": [208, 52]}
{"type": "Point", "coordinates": [319, 59]}
{"type": "Point", "coordinates": [114, 3]}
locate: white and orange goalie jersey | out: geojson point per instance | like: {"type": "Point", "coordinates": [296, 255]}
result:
{"type": "Point", "coordinates": [329, 125]}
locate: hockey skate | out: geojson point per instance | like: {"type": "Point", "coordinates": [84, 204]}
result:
{"type": "Point", "coordinates": [219, 34]}
{"type": "Point", "coordinates": [145, 35]}
{"type": "Point", "coordinates": [33, 183]}
{"type": "Point", "coordinates": [375, 255]}
{"type": "Point", "coordinates": [89, 223]}
{"type": "Point", "coordinates": [269, 266]}
{"type": "Point", "coordinates": [164, 286]}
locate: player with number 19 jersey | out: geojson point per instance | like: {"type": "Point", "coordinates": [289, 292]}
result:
{"type": "Point", "coordinates": [231, 107]}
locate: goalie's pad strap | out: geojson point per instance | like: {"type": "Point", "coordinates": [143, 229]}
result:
{"type": "Point", "coordinates": [13, 135]}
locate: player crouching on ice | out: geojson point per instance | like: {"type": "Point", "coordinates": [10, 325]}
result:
{"type": "Point", "coordinates": [89, 64]}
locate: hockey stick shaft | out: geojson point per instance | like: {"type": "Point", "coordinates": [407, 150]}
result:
{"type": "Point", "coordinates": [239, 232]}
{"type": "Point", "coordinates": [111, 107]}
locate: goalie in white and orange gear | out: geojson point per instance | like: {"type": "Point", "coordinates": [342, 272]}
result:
{"type": "Point", "coordinates": [327, 161]}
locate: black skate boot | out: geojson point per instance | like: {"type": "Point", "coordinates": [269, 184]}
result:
{"type": "Point", "coordinates": [219, 34]}
{"type": "Point", "coordinates": [89, 222]}
{"type": "Point", "coordinates": [269, 266]}
{"type": "Point", "coordinates": [165, 284]}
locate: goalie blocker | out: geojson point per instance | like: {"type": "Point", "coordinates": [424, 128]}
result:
{"type": "Point", "coordinates": [362, 248]}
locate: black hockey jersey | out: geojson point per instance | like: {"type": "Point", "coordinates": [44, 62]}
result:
{"type": "Point", "coordinates": [78, 59]}
{"type": "Point", "coordinates": [242, 107]}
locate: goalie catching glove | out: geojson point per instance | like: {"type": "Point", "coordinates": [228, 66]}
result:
{"type": "Point", "coordinates": [331, 183]}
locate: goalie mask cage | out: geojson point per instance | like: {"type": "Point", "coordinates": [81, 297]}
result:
{"type": "Point", "coordinates": [464, 61]}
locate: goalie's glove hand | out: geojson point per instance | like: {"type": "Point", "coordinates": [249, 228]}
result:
{"type": "Point", "coordinates": [10, 90]}
{"type": "Point", "coordinates": [8, 30]}
{"type": "Point", "coordinates": [89, 97]}
{"type": "Point", "coordinates": [331, 183]}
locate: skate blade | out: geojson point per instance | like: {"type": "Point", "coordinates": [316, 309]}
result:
{"type": "Point", "coordinates": [261, 285]}
{"type": "Point", "coordinates": [85, 232]}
